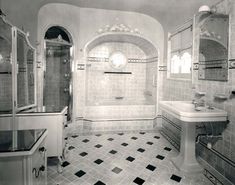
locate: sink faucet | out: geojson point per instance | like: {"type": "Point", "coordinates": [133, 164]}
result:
{"type": "Point", "coordinates": [199, 103]}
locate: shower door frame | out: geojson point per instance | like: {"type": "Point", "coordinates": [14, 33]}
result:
{"type": "Point", "coordinates": [71, 73]}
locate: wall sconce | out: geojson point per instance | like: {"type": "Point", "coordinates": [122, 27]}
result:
{"type": "Point", "coordinates": [204, 8]}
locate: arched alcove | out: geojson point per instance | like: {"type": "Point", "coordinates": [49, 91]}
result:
{"type": "Point", "coordinates": [57, 92]}
{"type": "Point", "coordinates": [134, 83]}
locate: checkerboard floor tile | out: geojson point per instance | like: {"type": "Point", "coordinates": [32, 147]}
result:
{"type": "Point", "coordinates": [122, 159]}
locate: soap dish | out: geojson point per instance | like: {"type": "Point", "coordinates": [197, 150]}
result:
{"type": "Point", "coordinates": [221, 96]}
{"type": "Point", "coordinates": [200, 93]}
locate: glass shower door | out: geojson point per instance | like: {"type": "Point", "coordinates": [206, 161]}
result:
{"type": "Point", "coordinates": [57, 79]}
{"type": "Point", "coordinates": [5, 68]}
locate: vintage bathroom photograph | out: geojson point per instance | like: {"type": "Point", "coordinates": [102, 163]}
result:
{"type": "Point", "coordinates": [117, 92]}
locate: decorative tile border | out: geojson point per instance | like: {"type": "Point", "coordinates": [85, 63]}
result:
{"type": "Point", "coordinates": [80, 66]}
{"type": "Point", "coordinates": [195, 66]}
{"type": "Point", "coordinates": [39, 64]}
{"type": "Point", "coordinates": [97, 59]}
{"type": "Point", "coordinates": [151, 60]}
{"type": "Point", "coordinates": [78, 118]}
{"type": "Point", "coordinates": [136, 60]}
{"type": "Point", "coordinates": [130, 60]}
{"type": "Point", "coordinates": [162, 68]}
{"type": "Point", "coordinates": [231, 64]}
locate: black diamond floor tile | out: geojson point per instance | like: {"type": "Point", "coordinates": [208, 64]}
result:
{"type": "Point", "coordinates": [141, 150]}
{"type": "Point", "coordinates": [74, 136]}
{"type": "Point", "coordinates": [98, 146]}
{"type": "Point", "coordinates": [116, 170]}
{"type": "Point", "coordinates": [99, 183]}
{"type": "Point", "coordinates": [98, 161]}
{"type": "Point", "coordinates": [139, 181]}
{"type": "Point", "coordinates": [167, 149]}
{"type": "Point", "coordinates": [160, 157]}
{"type": "Point", "coordinates": [71, 147]}
{"type": "Point", "coordinates": [124, 144]}
{"type": "Point", "coordinates": [85, 140]}
{"type": "Point", "coordinates": [151, 167]}
{"type": "Point", "coordinates": [127, 155]}
{"type": "Point", "coordinates": [130, 158]}
{"type": "Point", "coordinates": [80, 173]}
{"type": "Point", "coordinates": [113, 151]}
{"type": "Point", "coordinates": [142, 133]}
{"type": "Point", "coordinates": [176, 178]}
{"type": "Point", "coordinates": [66, 138]}
{"type": "Point", "coordinates": [156, 137]}
{"type": "Point", "coordinates": [83, 154]}
{"type": "Point", "coordinates": [65, 163]}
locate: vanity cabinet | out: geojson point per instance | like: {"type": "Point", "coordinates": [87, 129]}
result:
{"type": "Point", "coordinates": [23, 159]}
{"type": "Point", "coordinates": [54, 122]}
{"type": "Point", "coordinates": [17, 69]}
{"type": "Point", "coordinates": [213, 46]}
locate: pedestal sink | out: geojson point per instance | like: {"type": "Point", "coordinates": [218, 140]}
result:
{"type": "Point", "coordinates": [185, 111]}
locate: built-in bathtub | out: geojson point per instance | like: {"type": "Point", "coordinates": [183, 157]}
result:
{"type": "Point", "coordinates": [120, 115]}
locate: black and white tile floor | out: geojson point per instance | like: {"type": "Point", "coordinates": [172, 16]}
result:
{"type": "Point", "coordinates": [123, 158]}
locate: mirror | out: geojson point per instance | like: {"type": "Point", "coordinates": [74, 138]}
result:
{"type": "Point", "coordinates": [25, 75]}
{"type": "Point", "coordinates": [213, 47]}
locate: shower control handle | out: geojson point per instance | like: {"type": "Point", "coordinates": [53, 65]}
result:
{"type": "Point", "coordinates": [66, 90]}
{"type": "Point", "coordinates": [66, 75]}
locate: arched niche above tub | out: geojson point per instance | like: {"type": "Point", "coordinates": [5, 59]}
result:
{"type": "Point", "coordinates": [144, 44]}
{"type": "Point", "coordinates": [134, 81]}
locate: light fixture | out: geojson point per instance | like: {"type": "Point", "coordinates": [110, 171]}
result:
{"type": "Point", "coordinates": [204, 8]}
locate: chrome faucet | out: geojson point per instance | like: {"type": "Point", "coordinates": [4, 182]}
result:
{"type": "Point", "coordinates": [199, 103]}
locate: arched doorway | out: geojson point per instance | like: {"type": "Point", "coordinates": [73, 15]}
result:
{"type": "Point", "coordinates": [57, 92]}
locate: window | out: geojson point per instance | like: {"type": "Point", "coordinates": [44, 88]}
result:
{"type": "Point", "coordinates": [180, 52]}
{"type": "Point", "coordinates": [118, 60]}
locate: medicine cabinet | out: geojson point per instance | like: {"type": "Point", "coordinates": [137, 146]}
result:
{"type": "Point", "coordinates": [213, 47]}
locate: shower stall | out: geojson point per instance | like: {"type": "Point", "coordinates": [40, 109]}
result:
{"type": "Point", "coordinates": [121, 82]}
{"type": "Point", "coordinates": [57, 92]}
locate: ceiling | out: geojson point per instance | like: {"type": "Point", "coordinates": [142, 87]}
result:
{"type": "Point", "coordinates": [169, 13]}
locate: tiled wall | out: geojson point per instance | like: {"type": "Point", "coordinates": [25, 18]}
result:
{"type": "Point", "coordinates": [5, 92]}
{"type": "Point", "coordinates": [151, 79]}
{"type": "Point", "coordinates": [184, 90]}
{"type": "Point", "coordinates": [136, 86]}
{"type": "Point", "coordinates": [5, 72]}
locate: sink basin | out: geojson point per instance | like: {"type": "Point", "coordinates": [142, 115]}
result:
{"type": "Point", "coordinates": [185, 111]}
